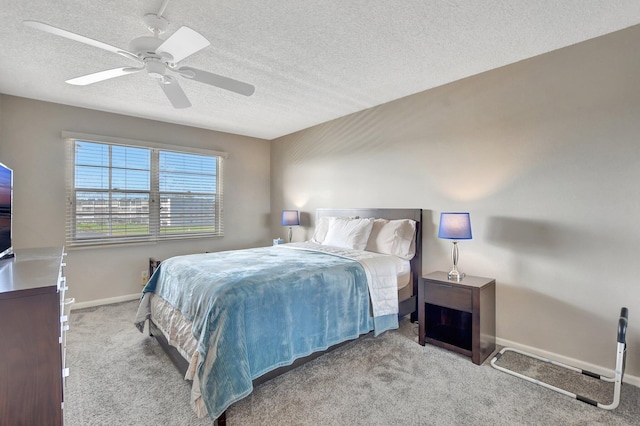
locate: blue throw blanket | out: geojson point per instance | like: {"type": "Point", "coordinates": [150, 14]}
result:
{"type": "Point", "coordinates": [258, 309]}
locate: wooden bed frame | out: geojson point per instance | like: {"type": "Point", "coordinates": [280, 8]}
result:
{"type": "Point", "coordinates": [405, 307]}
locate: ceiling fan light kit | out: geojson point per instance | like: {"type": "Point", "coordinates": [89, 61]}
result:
{"type": "Point", "coordinates": [155, 68]}
{"type": "Point", "coordinates": [156, 56]}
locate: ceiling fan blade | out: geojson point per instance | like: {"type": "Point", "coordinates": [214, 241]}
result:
{"type": "Point", "coordinates": [184, 42]}
{"type": "Point", "coordinates": [77, 37]}
{"type": "Point", "coordinates": [102, 75]}
{"type": "Point", "coordinates": [217, 80]}
{"type": "Point", "coordinates": [174, 92]}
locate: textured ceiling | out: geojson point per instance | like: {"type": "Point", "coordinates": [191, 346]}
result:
{"type": "Point", "coordinates": [310, 61]}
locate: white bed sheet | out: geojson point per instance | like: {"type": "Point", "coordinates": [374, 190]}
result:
{"type": "Point", "coordinates": [382, 270]}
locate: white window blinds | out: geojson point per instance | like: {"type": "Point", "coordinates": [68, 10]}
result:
{"type": "Point", "coordinates": [187, 193]}
{"type": "Point", "coordinates": [119, 194]}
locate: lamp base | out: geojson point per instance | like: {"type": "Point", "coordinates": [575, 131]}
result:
{"type": "Point", "coordinates": [455, 275]}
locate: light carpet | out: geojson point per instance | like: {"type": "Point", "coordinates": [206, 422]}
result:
{"type": "Point", "coordinates": [121, 377]}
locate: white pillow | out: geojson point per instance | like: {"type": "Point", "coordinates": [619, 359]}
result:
{"type": "Point", "coordinates": [348, 233]}
{"type": "Point", "coordinates": [396, 237]}
{"type": "Point", "coordinates": [322, 226]}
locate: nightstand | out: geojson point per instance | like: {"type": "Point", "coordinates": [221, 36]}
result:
{"type": "Point", "coordinates": [458, 315]}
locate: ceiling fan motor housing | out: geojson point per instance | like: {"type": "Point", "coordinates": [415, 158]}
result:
{"type": "Point", "coordinates": [156, 62]}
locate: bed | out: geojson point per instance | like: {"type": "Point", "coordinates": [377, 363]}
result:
{"type": "Point", "coordinates": [232, 320]}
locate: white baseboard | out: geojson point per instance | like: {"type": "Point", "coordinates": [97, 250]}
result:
{"type": "Point", "coordinates": [107, 301]}
{"type": "Point", "coordinates": [632, 380]}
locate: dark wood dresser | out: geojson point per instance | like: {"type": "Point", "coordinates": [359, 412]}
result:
{"type": "Point", "coordinates": [32, 327]}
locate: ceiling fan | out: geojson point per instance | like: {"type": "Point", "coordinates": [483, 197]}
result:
{"type": "Point", "coordinates": [160, 58]}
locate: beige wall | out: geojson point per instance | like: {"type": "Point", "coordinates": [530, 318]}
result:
{"type": "Point", "coordinates": [31, 144]}
{"type": "Point", "coordinates": [544, 154]}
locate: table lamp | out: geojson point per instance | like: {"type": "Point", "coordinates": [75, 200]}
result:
{"type": "Point", "coordinates": [290, 218]}
{"type": "Point", "coordinates": [455, 226]}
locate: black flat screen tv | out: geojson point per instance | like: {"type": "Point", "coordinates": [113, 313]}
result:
{"type": "Point", "coordinates": [6, 204]}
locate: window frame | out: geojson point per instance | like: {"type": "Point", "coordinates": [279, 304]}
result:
{"type": "Point", "coordinates": [155, 235]}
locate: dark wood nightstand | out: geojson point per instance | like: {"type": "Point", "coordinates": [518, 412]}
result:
{"type": "Point", "coordinates": [458, 315]}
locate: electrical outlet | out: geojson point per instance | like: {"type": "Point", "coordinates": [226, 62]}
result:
{"type": "Point", "coordinates": [144, 277]}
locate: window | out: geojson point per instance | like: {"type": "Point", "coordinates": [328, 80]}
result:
{"type": "Point", "coordinates": [121, 193]}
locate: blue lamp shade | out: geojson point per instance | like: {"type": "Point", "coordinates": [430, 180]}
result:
{"type": "Point", "coordinates": [290, 218]}
{"type": "Point", "coordinates": [455, 226]}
